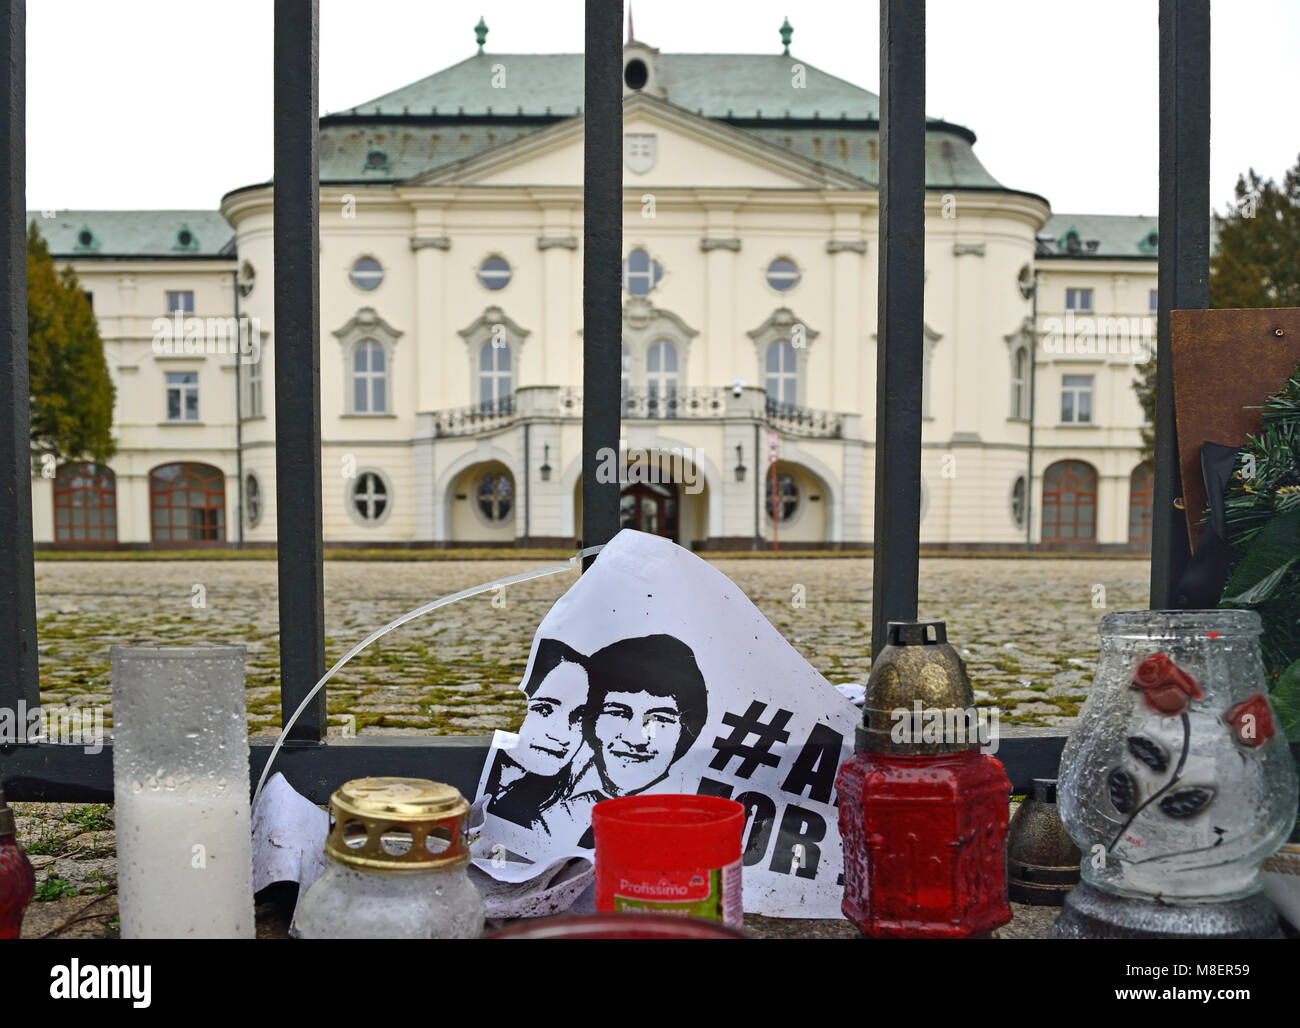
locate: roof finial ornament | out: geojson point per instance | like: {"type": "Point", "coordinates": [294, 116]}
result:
{"type": "Point", "coordinates": [787, 30]}
{"type": "Point", "coordinates": [480, 33]}
{"type": "Point", "coordinates": [630, 34]}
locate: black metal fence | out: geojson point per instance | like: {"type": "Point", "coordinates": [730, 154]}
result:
{"type": "Point", "coordinates": [42, 771]}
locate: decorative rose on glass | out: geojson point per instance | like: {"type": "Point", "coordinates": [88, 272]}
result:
{"type": "Point", "coordinates": [1175, 783]}
{"type": "Point", "coordinates": [1165, 686]}
{"type": "Point", "coordinates": [1251, 721]}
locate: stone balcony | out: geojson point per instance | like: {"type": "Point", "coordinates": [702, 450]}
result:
{"type": "Point", "coordinates": [694, 403]}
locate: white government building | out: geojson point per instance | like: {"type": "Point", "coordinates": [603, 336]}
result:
{"type": "Point", "coordinates": [451, 329]}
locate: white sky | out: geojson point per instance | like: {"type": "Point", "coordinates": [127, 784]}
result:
{"type": "Point", "coordinates": [167, 103]}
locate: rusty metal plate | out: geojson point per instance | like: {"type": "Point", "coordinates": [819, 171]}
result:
{"type": "Point", "coordinates": [1224, 362]}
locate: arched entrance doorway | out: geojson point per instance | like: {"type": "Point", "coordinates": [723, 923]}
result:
{"type": "Point", "coordinates": [1070, 502]}
{"type": "Point", "coordinates": [649, 508]}
{"type": "Point", "coordinates": [187, 503]}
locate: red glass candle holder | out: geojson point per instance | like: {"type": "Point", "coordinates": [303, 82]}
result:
{"type": "Point", "coordinates": [923, 813]}
{"type": "Point", "coordinates": [923, 844]}
{"type": "Point", "coordinates": [17, 877]}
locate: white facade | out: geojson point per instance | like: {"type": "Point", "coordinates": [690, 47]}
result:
{"type": "Point", "coordinates": [451, 402]}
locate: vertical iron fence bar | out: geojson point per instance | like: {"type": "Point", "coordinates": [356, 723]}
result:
{"type": "Point", "coordinates": [602, 253]}
{"type": "Point", "coordinates": [1184, 276]}
{"type": "Point", "coordinates": [19, 680]}
{"type": "Point", "coordinates": [297, 364]}
{"type": "Point", "coordinates": [900, 313]}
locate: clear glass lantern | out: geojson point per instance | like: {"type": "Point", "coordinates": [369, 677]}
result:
{"type": "Point", "coordinates": [396, 863]}
{"type": "Point", "coordinates": [1175, 783]}
{"type": "Point", "coordinates": [181, 792]}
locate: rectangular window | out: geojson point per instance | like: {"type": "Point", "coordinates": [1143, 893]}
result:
{"type": "Point", "coordinates": [252, 401]}
{"type": "Point", "coordinates": [1078, 299]}
{"type": "Point", "coordinates": [1153, 300]}
{"type": "Point", "coordinates": [90, 298]}
{"type": "Point", "coordinates": [180, 302]}
{"type": "Point", "coordinates": [1076, 400]}
{"type": "Point", "coordinates": [182, 396]}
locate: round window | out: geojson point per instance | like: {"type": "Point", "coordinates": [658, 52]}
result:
{"type": "Point", "coordinates": [252, 500]}
{"type": "Point", "coordinates": [369, 496]}
{"type": "Point", "coordinates": [786, 495]}
{"type": "Point", "coordinates": [495, 497]}
{"type": "Point", "coordinates": [636, 74]}
{"type": "Point", "coordinates": [782, 274]}
{"type": "Point", "coordinates": [1018, 502]}
{"type": "Point", "coordinates": [640, 273]}
{"type": "Point", "coordinates": [367, 273]}
{"type": "Point", "coordinates": [494, 273]}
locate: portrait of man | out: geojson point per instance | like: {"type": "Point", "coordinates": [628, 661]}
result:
{"type": "Point", "coordinates": [646, 704]}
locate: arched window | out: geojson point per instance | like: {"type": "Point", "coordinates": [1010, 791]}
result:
{"type": "Point", "coordinates": [1141, 497]}
{"type": "Point", "coordinates": [85, 504]}
{"type": "Point", "coordinates": [782, 373]}
{"type": "Point", "coordinates": [187, 503]}
{"type": "Point", "coordinates": [1020, 383]}
{"type": "Point", "coordinates": [369, 378]}
{"type": "Point", "coordinates": [661, 379]}
{"type": "Point", "coordinates": [787, 495]}
{"type": "Point", "coordinates": [496, 497]}
{"type": "Point", "coordinates": [1069, 502]}
{"type": "Point", "coordinates": [494, 377]}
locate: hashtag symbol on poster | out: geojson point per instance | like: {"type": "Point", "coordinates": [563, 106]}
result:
{"type": "Point", "coordinates": [743, 726]}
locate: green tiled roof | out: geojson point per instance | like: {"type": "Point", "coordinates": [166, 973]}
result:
{"type": "Point", "coordinates": [136, 233]}
{"type": "Point", "coordinates": [457, 113]}
{"type": "Point", "coordinates": [714, 85]}
{"type": "Point", "coordinates": [409, 150]}
{"type": "Point", "coordinates": [1114, 235]}
{"type": "Point", "coordinates": [949, 159]}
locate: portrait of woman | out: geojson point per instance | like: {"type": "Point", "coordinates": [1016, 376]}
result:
{"type": "Point", "coordinates": [538, 771]}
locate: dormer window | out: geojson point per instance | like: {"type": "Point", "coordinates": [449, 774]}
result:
{"type": "Point", "coordinates": [639, 69]}
{"type": "Point", "coordinates": [86, 239]}
{"type": "Point", "coordinates": [185, 239]}
{"type": "Point", "coordinates": [376, 160]}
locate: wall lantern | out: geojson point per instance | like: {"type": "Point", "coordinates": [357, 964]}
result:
{"type": "Point", "coordinates": [740, 463]}
{"type": "Point", "coordinates": [545, 469]}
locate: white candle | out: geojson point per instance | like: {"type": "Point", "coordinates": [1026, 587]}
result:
{"type": "Point", "coordinates": [183, 864]}
{"type": "Point", "coordinates": [181, 793]}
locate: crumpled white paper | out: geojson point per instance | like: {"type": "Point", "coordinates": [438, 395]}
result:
{"type": "Point", "coordinates": [288, 836]}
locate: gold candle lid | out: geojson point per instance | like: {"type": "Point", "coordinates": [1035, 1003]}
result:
{"type": "Point", "coordinates": [396, 825]}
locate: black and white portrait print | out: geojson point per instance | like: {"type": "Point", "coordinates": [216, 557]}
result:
{"type": "Point", "coordinates": [652, 674]}
{"type": "Point", "coordinates": [609, 724]}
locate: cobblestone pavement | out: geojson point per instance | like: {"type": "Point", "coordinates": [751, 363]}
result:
{"type": "Point", "coordinates": [1027, 628]}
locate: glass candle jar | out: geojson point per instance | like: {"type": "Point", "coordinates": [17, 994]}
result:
{"type": "Point", "coordinates": [1175, 783]}
{"type": "Point", "coordinates": [396, 863]}
{"type": "Point", "coordinates": [17, 877]}
{"type": "Point", "coordinates": [181, 792]}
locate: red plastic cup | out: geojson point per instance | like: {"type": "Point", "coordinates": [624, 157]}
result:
{"type": "Point", "coordinates": [670, 854]}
